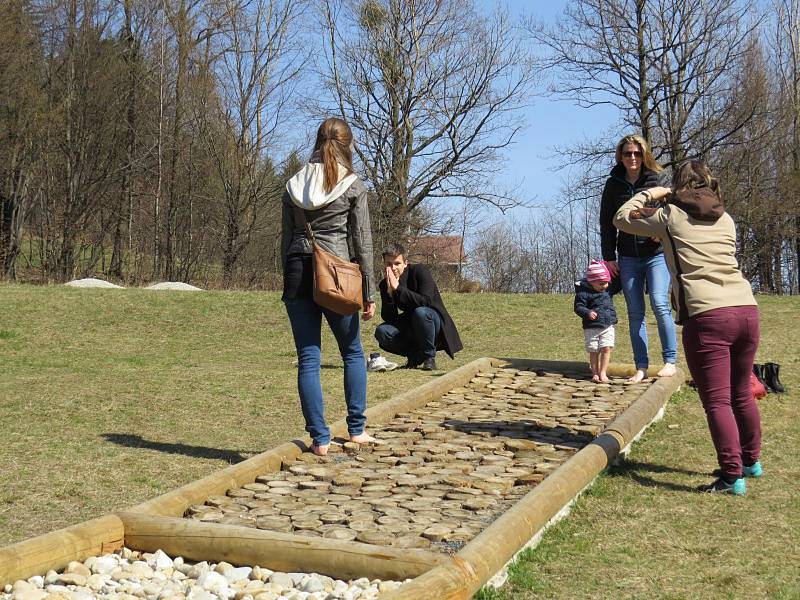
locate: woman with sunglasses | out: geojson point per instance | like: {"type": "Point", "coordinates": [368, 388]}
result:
{"type": "Point", "coordinates": [638, 260]}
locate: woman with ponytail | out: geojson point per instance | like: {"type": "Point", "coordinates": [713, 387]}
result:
{"type": "Point", "coordinates": [716, 307]}
{"type": "Point", "coordinates": [328, 195]}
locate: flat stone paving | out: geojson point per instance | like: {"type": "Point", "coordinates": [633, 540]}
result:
{"type": "Point", "coordinates": [442, 473]}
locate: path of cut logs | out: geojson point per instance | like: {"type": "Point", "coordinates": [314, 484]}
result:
{"type": "Point", "coordinates": [441, 473]}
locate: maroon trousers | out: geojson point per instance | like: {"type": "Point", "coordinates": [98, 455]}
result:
{"type": "Point", "coordinates": [720, 346]}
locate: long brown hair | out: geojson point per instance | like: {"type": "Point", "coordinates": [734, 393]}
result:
{"type": "Point", "coordinates": [649, 163]}
{"type": "Point", "coordinates": [333, 148]}
{"type": "Point", "coordinates": [694, 174]}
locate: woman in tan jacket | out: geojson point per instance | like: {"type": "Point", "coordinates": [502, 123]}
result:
{"type": "Point", "coordinates": [716, 307]}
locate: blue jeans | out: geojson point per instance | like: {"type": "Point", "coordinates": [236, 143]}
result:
{"type": "Point", "coordinates": [305, 317]}
{"type": "Point", "coordinates": [414, 336]}
{"type": "Point", "coordinates": [633, 274]}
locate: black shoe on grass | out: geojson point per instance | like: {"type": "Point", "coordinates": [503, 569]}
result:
{"type": "Point", "coordinates": [429, 364]}
{"type": "Point", "coordinates": [413, 362]}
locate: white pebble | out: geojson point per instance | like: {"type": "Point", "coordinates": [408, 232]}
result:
{"type": "Point", "coordinates": [160, 560]}
{"type": "Point", "coordinates": [282, 579]}
{"type": "Point", "coordinates": [132, 575]}
{"type": "Point", "coordinates": [200, 594]}
{"type": "Point", "coordinates": [104, 564]}
{"type": "Point", "coordinates": [214, 582]}
{"type": "Point", "coordinates": [237, 574]}
{"type": "Point", "coordinates": [197, 570]}
{"type": "Point", "coordinates": [37, 580]}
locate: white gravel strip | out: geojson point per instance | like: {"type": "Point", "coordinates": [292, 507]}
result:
{"type": "Point", "coordinates": [91, 282]}
{"type": "Point", "coordinates": [130, 575]}
{"type": "Point", "coordinates": [174, 285]}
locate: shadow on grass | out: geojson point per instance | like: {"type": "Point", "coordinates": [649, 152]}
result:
{"type": "Point", "coordinates": [137, 441]}
{"type": "Point", "coordinates": [640, 473]}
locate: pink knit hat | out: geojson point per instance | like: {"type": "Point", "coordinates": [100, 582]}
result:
{"type": "Point", "coordinates": [597, 271]}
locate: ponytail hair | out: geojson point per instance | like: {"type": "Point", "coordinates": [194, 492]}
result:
{"type": "Point", "coordinates": [333, 147]}
{"type": "Point", "coordinates": [694, 174]}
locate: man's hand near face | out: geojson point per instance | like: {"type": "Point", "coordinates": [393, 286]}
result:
{"type": "Point", "coordinates": [392, 281]}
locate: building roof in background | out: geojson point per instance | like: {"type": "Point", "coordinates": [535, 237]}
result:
{"type": "Point", "coordinates": [447, 249]}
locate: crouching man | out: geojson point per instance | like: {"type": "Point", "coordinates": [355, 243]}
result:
{"type": "Point", "coordinates": [416, 323]}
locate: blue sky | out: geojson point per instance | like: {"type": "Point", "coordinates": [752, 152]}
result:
{"type": "Point", "coordinates": [549, 122]}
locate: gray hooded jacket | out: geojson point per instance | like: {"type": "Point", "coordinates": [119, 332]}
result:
{"type": "Point", "coordinates": [339, 219]}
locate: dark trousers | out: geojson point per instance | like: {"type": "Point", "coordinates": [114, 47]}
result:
{"type": "Point", "coordinates": [413, 337]}
{"type": "Point", "coordinates": [720, 346]}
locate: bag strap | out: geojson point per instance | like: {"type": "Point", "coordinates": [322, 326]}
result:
{"type": "Point", "coordinates": [308, 227]}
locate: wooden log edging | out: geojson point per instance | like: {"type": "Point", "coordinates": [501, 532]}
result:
{"type": "Point", "coordinates": [56, 549]}
{"type": "Point", "coordinates": [276, 551]}
{"type": "Point", "coordinates": [175, 503]}
{"type": "Point", "coordinates": [458, 576]}
{"type": "Point", "coordinates": [490, 552]}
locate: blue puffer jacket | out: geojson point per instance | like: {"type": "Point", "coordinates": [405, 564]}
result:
{"type": "Point", "coordinates": [588, 300]}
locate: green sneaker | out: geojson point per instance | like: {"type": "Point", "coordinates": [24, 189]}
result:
{"type": "Point", "coordinates": [720, 486]}
{"type": "Point", "coordinates": [755, 470]}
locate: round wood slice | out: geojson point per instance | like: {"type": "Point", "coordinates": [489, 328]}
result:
{"type": "Point", "coordinates": [436, 533]}
{"type": "Point", "coordinates": [377, 538]}
{"type": "Point", "coordinates": [340, 533]}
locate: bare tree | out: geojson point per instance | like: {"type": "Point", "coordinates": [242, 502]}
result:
{"type": "Point", "coordinates": [257, 61]}
{"type": "Point", "coordinates": [543, 255]}
{"type": "Point", "coordinates": [664, 64]}
{"type": "Point", "coordinates": [21, 113]}
{"type": "Point", "coordinates": [81, 133]}
{"type": "Point", "coordinates": [786, 49]}
{"type": "Point", "coordinates": [432, 90]}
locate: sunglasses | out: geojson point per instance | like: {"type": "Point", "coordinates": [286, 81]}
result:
{"type": "Point", "coordinates": [632, 153]}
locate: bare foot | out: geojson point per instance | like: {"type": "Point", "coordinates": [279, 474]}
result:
{"type": "Point", "coordinates": [596, 378]}
{"type": "Point", "coordinates": [668, 370]}
{"type": "Point", "coordinates": [320, 450]}
{"type": "Point", "coordinates": [364, 438]}
{"type": "Point", "coordinates": [604, 379]}
{"type": "Point", "coordinates": [638, 376]}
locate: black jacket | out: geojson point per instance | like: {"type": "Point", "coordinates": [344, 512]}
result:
{"type": "Point", "coordinates": [588, 300]}
{"type": "Point", "coordinates": [617, 192]}
{"type": "Point", "coordinates": [417, 288]}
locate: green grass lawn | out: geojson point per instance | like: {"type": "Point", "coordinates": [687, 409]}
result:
{"type": "Point", "coordinates": [110, 397]}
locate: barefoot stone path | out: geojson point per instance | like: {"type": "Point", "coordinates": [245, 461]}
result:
{"type": "Point", "coordinates": [441, 473]}
{"type": "Point", "coordinates": [438, 476]}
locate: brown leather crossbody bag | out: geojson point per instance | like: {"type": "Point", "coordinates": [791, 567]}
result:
{"type": "Point", "coordinates": [337, 282]}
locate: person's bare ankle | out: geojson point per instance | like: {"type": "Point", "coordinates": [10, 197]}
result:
{"type": "Point", "coordinates": [668, 370]}
{"type": "Point", "coordinates": [638, 376]}
{"type": "Point", "coordinates": [363, 438]}
{"type": "Point", "coordinates": [320, 449]}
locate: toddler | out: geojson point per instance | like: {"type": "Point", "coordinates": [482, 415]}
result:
{"type": "Point", "coordinates": [594, 305]}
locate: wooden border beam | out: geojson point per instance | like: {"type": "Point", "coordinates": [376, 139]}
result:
{"type": "Point", "coordinates": [56, 549]}
{"type": "Point", "coordinates": [285, 552]}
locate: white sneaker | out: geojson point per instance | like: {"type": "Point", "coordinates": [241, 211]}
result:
{"type": "Point", "coordinates": [378, 363]}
